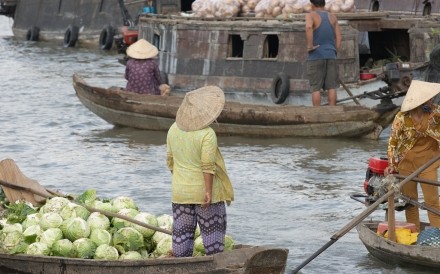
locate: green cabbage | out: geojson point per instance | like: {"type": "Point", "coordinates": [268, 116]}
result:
{"type": "Point", "coordinates": [32, 219]}
{"type": "Point", "coordinates": [50, 236]}
{"type": "Point", "coordinates": [129, 212]}
{"type": "Point", "coordinates": [12, 227]}
{"type": "Point", "coordinates": [63, 248]}
{"type": "Point", "coordinates": [98, 220]}
{"type": "Point", "coordinates": [146, 218]}
{"type": "Point", "coordinates": [54, 204]}
{"type": "Point", "coordinates": [84, 248]}
{"type": "Point", "coordinates": [106, 252]}
{"type": "Point", "coordinates": [73, 210]}
{"type": "Point", "coordinates": [158, 236]}
{"type": "Point", "coordinates": [131, 255]}
{"type": "Point", "coordinates": [32, 233]}
{"type": "Point", "coordinates": [128, 239]}
{"type": "Point", "coordinates": [164, 247]}
{"type": "Point", "coordinates": [38, 248]}
{"type": "Point", "coordinates": [13, 243]}
{"type": "Point", "coordinates": [165, 221]}
{"type": "Point", "coordinates": [100, 236]}
{"type": "Point", "coordinates": [87, 198]}
{"type": "Point", "coordinates": [198, 245]}
{"type": "Point", "coordinates": [229, 243]}
{"type": "Point", "coordinates": [18, 211]}
{"type": "Point", "coordinates": [75, 228]}
{"type": "Point", "coordinates": [124, 202]}
{"type": "Point", "coordinates": [105, 206]}
{"type": "Point", "coordinates": [50, 220]}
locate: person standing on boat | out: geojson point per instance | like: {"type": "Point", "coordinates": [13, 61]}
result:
{"type": "Point", "coordinates": [200, 183]}
{"type": "Point", "coordinates": [142, 71]}
{"type": "Point", "coordinates": [323, 38]}
{"type": "Point", "coordinates": [414, 140]}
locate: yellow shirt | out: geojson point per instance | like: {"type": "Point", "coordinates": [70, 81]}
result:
{"type": "Point", "coordinates": [189, 155]}
{"type": "Point", "coordinates": [404, 135]}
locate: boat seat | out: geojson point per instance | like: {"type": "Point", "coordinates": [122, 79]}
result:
{"type": "Point", "coordinates": [383, 227]}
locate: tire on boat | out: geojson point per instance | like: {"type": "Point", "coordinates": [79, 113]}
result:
{"type": "Point", "coordinates": [164, 77]}
{"type": "Point", "coordinates": [280, 88]}
{"type": "Point", "coordinates": [33, 34]}
{"type": "Point", "coordinates": [71, 36]}
{"type": "Point", "coordinates": [106, 38]}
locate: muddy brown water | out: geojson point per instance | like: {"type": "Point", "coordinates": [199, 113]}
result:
{"type": "Point", "coordinates": [291, 193]}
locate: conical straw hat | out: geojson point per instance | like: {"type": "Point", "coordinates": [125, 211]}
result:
{"type": "Point", "coordinates": [200, 108]}
{"type": "Point", "coordinates": [418, 93]}
{"type": "Point", "coordinates": [142, 49]}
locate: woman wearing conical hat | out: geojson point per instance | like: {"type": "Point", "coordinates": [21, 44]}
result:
{"type": "Point", "coordinates": [200, 185]}
{"type": "Point", "coordinates": [142, 71]}
{"type": "Point", "coordinates": [414, 140]}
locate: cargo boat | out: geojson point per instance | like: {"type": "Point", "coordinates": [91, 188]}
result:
{"type": "Point", "coordinates": [90, 23]}
{"type": "Point", "coordinates": [268, 56]}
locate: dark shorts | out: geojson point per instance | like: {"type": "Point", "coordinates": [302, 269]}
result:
{"type": "Point", "coordinates": [323, 74]}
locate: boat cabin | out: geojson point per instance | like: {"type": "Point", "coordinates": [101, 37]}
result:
{"type": "Point", "coordinates": [251, 54]}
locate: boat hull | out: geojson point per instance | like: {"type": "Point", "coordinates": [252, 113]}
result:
{"type": "Point", "coordinates": [52, 18]}
{"type": "Point", "coordinates": [152, 112]}
{"type": "Point", "coordinates": [395, 253]}
{"type": "Point", "coordinates": [244, 259]}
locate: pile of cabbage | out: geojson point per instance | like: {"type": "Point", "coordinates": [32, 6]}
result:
{"type": "Point", "coordinates": [64, 228]}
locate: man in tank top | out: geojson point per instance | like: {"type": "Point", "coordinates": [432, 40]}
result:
{"type": "Point", "coordinates": [323, 38]}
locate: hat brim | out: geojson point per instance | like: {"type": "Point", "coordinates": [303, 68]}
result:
{"type": "Point", "coordinates": [200, 108]}
{"type": "Point", "coordinates": [419, 92]}
{"type": "Point", "coordinates": [142, 50]}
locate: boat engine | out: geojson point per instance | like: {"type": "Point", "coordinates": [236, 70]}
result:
{"type": "Point", "coordinates": [376, 184]}
{"type": "Point", "coordinates": [373, 177]}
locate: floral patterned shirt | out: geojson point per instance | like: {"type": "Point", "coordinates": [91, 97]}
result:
{"type": "Point", "coordinates": [143, 76]}
{"type": "Point", "coordinates": [404, 135]}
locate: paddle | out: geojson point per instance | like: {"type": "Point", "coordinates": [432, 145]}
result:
{"type": "Point", "coordinates": [10, 172]}
{"type": "Point", "coordinates": [365, 214]}
{"type": "Point", "coordinates": [349, 92]}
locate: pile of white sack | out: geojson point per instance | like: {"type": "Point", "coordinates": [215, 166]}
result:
{"type": "Point", "coordinates": [263, 8]}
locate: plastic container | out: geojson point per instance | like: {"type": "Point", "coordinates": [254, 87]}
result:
{"type": "Point", "coordinates": [366, 76]}
{"type": "Point", "coordinates": [383, 227]}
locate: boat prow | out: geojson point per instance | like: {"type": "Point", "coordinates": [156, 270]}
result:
{"type": "Point", "coordinates": [396, 253]}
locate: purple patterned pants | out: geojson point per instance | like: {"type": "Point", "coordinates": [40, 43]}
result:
{"type": "Point", "coordinates": [212, 222]}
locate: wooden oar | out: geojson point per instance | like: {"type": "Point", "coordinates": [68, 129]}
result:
{"type": "Point", "coordinates": [89, 208]}
{"type": "Point", "coordinates": [349, 92]}
{"type": "Point", "coordinates": [365, 214]}
{"type": "Point", "coordinates": [10, 172]}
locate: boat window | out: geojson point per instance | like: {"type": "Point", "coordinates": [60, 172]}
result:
{"type": "Point", "coordinates": [375, 6]}
{"type": "Point", "coordinates": [235, 46]}
{"type": "Point", "coordinates": [270, 46]}
{"type": "Point", "coordinates": [156, 41]}
{"type": "Point", "coordinates": [186, 5]}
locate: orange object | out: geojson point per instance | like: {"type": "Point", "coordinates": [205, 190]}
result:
{"type": "Point", "coordinates": [367, 76]}
{"type": "Point", "coordinates": [377, 165]}
{"type": "Point", "coordinates": [383, 227]}
{"type": "Point", "coordinates": [130, 36]}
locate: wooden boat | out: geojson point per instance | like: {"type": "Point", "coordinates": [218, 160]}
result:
{"type": "Point", "coordinates": [153, 112]}
{"type": "Point", "coordinates": [392, 252]}
{"type": "Point", "coordinates": [243, 259]}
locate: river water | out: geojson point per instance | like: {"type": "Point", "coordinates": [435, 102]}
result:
{"type": "Point", "coordinates": [291, 193]}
